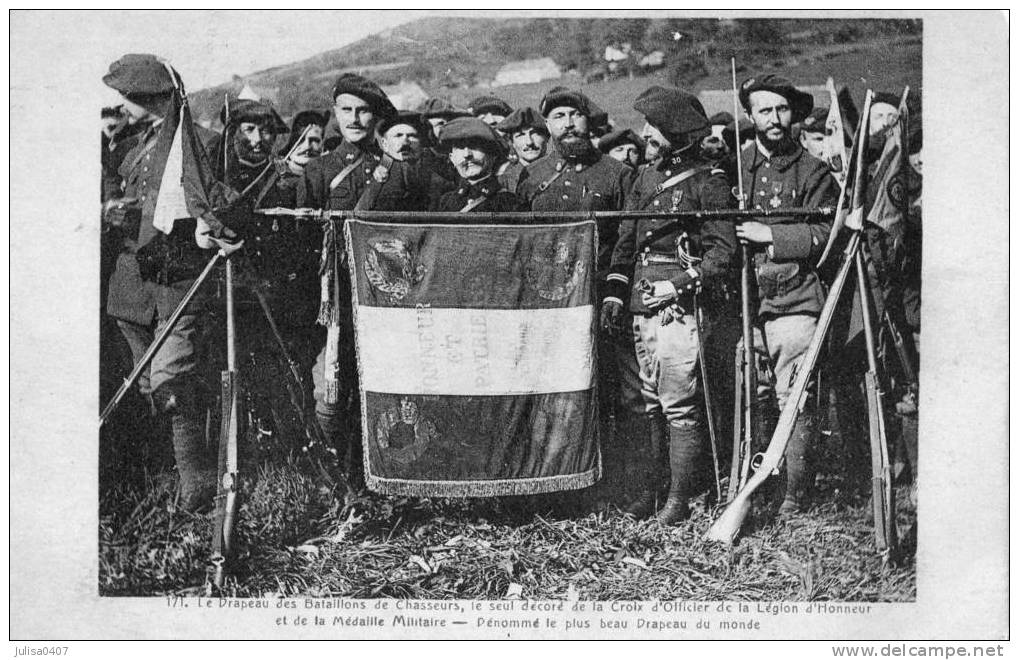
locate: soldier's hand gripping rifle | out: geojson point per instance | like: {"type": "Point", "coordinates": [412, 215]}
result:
{"type": "Point", "coordinates": [745, 423]}
{"type": "Point", "coordinates": [729, 523]}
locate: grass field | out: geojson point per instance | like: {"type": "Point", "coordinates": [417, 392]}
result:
{"type": "Point", "coordinates": [297, 537]}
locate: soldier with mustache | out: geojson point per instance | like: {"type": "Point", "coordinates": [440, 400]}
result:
{"type": "Point", "coordinates": [476, 151]}
{"type": "Point", "coordinates": [529, 138]}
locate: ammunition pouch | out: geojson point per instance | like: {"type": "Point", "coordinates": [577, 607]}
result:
{"type": "Point", "coordinates": [778, 279]}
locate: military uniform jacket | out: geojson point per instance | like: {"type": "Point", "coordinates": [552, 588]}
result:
{"type": "Point", "coordinates": [787, 280]}
{"type": "Point", "coordinates": [592, 183]}
{"type": "Point", "coordinates": [130, 297]}
{"type": "Point", "coordinates": [494, 198]}
{"type": "Point", "coordinates": [514, 174]}
{"type": "Point", "coordinates": [395, 186]}
{"type": "Point", "coordinates": [712, 241]}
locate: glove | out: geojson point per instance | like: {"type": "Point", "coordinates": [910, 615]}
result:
{"type": "Point", "coordinates": [612, 318]}
{"type": "Point", "coordinates": [122, 213]}
{"type": "Point", "coordinates": [657, 294]}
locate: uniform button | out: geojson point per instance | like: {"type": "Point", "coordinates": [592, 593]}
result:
{"type": "Point", "coordinates": [764, 179]}
{"type": "Point", "coordinates": [768, 165]}
{"type": "Point", "coordinates": [658, 202]}
{"type": "Point", "coordinates": [668, 172]}
{"type": "Point", "coordinates": [579, 167]}
{"type": "Point", "coordinates": [761, 193]}
{"type": "Point", "coordinates": [566, 196]}
{"type": "Point", "coordinates": [648, 233]}
{"type": "Point", "coordinates": [567, 183]}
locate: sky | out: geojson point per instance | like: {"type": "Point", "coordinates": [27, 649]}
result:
{"type": "Point", "coordinates": [206, 47]}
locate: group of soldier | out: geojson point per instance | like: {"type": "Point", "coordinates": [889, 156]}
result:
{"type": "Point", "coordinates": [668, 293]}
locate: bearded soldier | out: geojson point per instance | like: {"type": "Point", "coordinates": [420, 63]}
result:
{"type": "Point", "coordinates": [777, 173]}
{"type": "Point", "coordinates": [529, 138]}
{"type": "Point", "coordinates": [575, 176]}
{"type": "Point", "coordinates": [671, 276]}
{"type": "Point", "coordinates": [154, 270]}
{"type": "Point", "coordinates": [476, 151]}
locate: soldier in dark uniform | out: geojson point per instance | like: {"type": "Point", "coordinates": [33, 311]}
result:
{"type": "Point", "coordinates": [777, 172]}
{"type": "Point", "coordinates": [476, 151]}
{"type": "Point", "coordinates": [437, 113]}
{"type": "Point", "coordinates": [624, 145]}
{"type": "Point", "coordinates": [529, 138]}
{"type": "Point", "coordinates": [337, 181]}
{"type": "Point", "coordinates": [142, 304]}
{"type": "Point", "coordinates": [403, 180]}
{"type": "Point", "coordinates": [671, 280]}
{"type": "Point", "coordinates": [575, 176]}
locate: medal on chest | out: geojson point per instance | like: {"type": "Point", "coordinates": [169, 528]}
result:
{"type": "Point", "coordinates": [776, 198]}
{"type": "Point", "coordinates": [677, 197]}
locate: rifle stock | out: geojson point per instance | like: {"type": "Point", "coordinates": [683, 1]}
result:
{"type": "Point", "coordinates": [727, 526]}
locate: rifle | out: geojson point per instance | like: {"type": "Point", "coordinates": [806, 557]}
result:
{"type": "Point", "coordinates": [160, 339]}
{"type": "Point", "coordinates": [745, 429]}
{"type": "Point", "coordinates": [727, 526]}
{"type": "Point", "coordinates": [226, 497]}
{"type": "Point", "coordinates": [882, 495]}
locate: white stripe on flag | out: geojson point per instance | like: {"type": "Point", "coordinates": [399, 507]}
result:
{"type": "Point", "coordinates": [480, 352]}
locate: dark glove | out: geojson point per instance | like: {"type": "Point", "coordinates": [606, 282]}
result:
{"type": "Point", "coordinates": [612, 316]}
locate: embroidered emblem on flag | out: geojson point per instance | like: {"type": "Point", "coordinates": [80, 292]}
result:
{"type": "Point", "coordinates": [475, 348]}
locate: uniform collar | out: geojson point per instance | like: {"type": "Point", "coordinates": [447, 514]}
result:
{"type": "Point", "coordinates": [674, 164]}
{"type": "Point", "coordinates": [484, 188]}
{"type": "Point", "coordinates": [782, 161]}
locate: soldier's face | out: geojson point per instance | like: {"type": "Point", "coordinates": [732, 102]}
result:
{"type": "Point", "coordinates": [566, 123]}
{"type": "Point", "coordinates": [253, 141]}
{"type": "Point", "coordinates": [772, 116]}
{"type": "Point", "coordinates": [354, 117]}
{"type": "Point", "coordinates": [310, 147]}
{"type": "Point", "coordinates": [529, 144]}
{"type": "Point", "coordinates": [882, 117]}
{"type": "Point", "coordinates": [626, 153]}
{"type": "Point", "coordinates": [437, 123]}
{"type": "Point", "coordinates": [401, 142]}
{"type": "Point", "coordinates": [658, 146]}
{"type": "Point", "coordinates": [471, 161]}
{"type": "Point", "coordinates": [814, 143]}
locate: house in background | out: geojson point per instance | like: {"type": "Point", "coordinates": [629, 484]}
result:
{"type": "Point", "coordinates": [524, 72]}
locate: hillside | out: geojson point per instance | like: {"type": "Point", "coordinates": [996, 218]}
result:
{"type": "Point", "coordinates": [459, 57]}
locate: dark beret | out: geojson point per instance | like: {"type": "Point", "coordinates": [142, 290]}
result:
{"type": "Point", "coordinates": [617, 137]}
{"type": "Point", "coordinates": [522, 118]}
{"type": "Point", "coordinates": [559, 97]}
{"type": "Point", "coordinates": [258, 112]}
{"type": "Point", "coordinates": [308, 118]}
{"type": "Point", "coordinates": [139, 74]}
{"type": "Point", "coordinates": [436, 107]}
{"type": "Point", "coordinates": [674, 112]}
{"type": "Point", "coordinates": [473, 130]}
{"type": "Point", "coordinates": [362, 88]}
{"type": "Point", "coordinates": [489, 104]}
{"type": "Point", "coordinates": [816, 121]}
{"type": "Point", "coordinates": [402, 117]}
{"type": "Point", "coordinates": [801, 103]}
{"type": "Point", "coordinates": [886, 97]}
{"type": "Point", "coordinates": [720, 119]}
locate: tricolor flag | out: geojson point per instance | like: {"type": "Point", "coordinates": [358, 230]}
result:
{"type": "Point", "coordinates": [476, 356]}
{"type": "Point", "coordinates": [891, 200]}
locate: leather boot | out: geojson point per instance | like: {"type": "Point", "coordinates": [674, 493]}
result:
{"type": "Point", "coordinates": [684, 451]}
{"type": "Point", "coordinates": [800, 472]}
{"type": "Point", "coordinates": [645, 473]}
{"type": "Point", "coordinates": [195, 462]}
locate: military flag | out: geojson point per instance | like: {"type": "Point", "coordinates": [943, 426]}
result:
{"type": "Point", "coordinates": [835, 138]}
{"type": "Point", "coordinates": [890, 202]}
{"type": "Point", "coordinates": [476, 356]}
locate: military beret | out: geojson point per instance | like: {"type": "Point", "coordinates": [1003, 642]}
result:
{"type": "Point", "coordinates": [522, 118]}
{"type": "Point", "coordinates": [492, 104]}
{"type": "Point", "coordinates": [886, 97]}
{"type": "Point", "coordinates": [139, 74]}
{"type": "Point", "coordinates": [816, 121]}
{"type": "Point", "coordinates": [674, 112]}
{"type": "Point", "coordinates": [436, 107]}
{"type": "Point", "coordinates": [720, 119]}
{"type": "Point", "coordinates": [402, 117]}
{"type": "Point", "coordinates": [259, 112]}
{"type": "Point", "coordinates": [617, 137]}
{"type": "Point", "coordinates": [362, 88]}
{"type": "Point", "coordinates": [473, 130]}
{"type": "Point", "coordinates": [801, 103]}
{"type": "Point", "coordinates": [559, 97]}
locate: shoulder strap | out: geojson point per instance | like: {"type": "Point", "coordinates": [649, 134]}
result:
{"type": "Point", "coordinates": [543, 186]}
{"type": "Point", "coordinates": [345, 172]}
{"type": "Point", "coordinates": [672, 182]}
{"type": "Point", "coordinates": [473, 204]}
